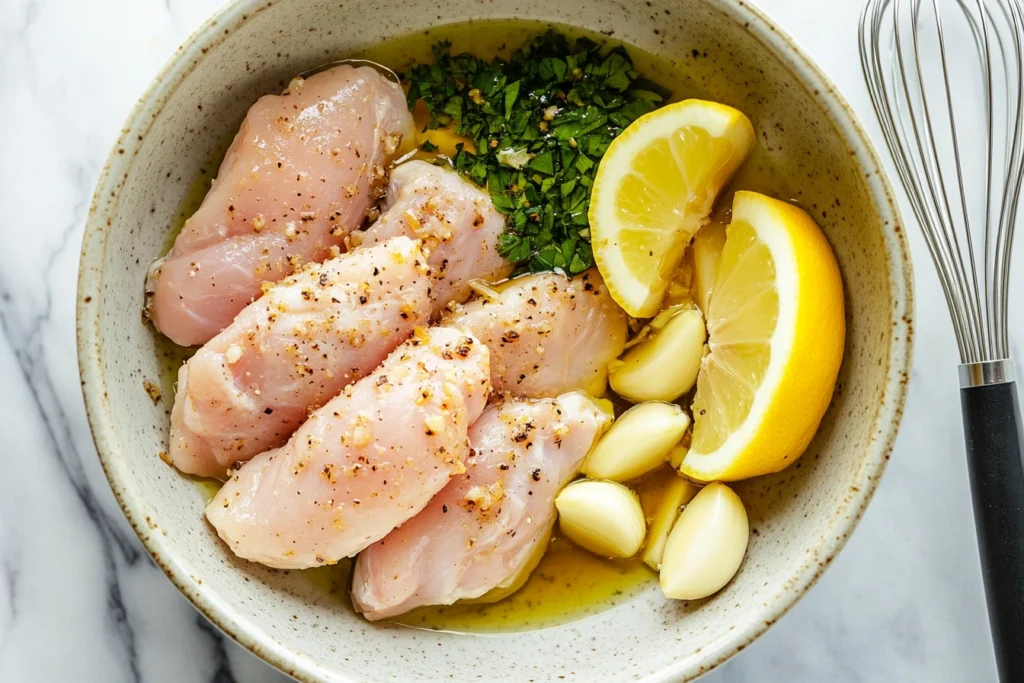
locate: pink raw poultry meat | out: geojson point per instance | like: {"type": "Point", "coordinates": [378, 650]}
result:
{"type": "Point", "coordinates": [362, 464]}
{"type": "Point", "coordinates": [455, 219]}
{"type": "Point", "coordinates": [548, 334]}
{"type": "Point", "coordinates": [303, 171]}
{"type": "Point", "coordinates": [228, 412]}
{"type": "Point", "coordinates": [293, 350]}
{"type": "Point", "coordinates": [485, 525]}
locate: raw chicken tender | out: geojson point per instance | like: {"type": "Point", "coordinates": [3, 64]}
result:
{"type": "Point", "coordinates": [303, 171]}
{"type": "Point", "coordinates": [485, 525]}
{"type": "Point", "coordinates": [455, 219]}
{"type": "Point", "coordinates": [293, 350]}
{"type": "Point", "coordinates": [547, 334]}
{"type": "Point", "coordinates": [228, 409]}
{"type": "Point", "coordinates": [365, 462]}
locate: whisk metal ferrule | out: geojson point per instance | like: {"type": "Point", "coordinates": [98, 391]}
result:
{"type": "Point", "coordinates": [986, 373]}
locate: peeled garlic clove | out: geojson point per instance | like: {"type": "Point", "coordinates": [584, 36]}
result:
{"type": "Point", "coordinates": [637, 442]}
{"type": "Point", "coordinates": [676, 456]}
{"type": "Point", "coordinates": [677, 492]}
{"type": "Point", "coordinates": [602, 517]}
{"type": "Point", "coordinates": [707, 252]}
{"type": "Point", "coordinates": [706, 545]}
{"type": "Point", "coordinates": [665, 365]}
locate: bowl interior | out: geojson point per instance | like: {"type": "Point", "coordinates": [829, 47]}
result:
{"type": "Point", "coordinates": [808, 147]}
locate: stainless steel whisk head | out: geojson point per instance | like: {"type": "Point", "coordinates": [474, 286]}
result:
{"type": "Point", "coordinates": [938, 71]}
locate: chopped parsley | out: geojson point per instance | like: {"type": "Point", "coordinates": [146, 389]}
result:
{"type": "Point", "coordinates": [540, 123]}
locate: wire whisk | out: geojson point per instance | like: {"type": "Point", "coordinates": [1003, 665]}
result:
{"type": "Point", "coordinates": [946, 78]}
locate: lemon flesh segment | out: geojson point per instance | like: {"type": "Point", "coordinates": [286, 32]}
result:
{"type": "Point", "coordinates": [655, 188]}
{"type": "Point", "coordinates": [776, 332]}
{"type": "Point", "coordinates": [706, 252]}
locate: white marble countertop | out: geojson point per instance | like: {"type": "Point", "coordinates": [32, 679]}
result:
{"type": "Point", "coordinates": [81, 601]}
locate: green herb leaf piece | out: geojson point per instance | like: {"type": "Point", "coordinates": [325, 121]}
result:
{"type": "Point", "coordinates": [540, 123]}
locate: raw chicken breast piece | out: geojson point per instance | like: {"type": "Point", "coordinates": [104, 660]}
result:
{"type": "Point", "coordinates": [548, 334]}
{"type": "Point", "coordinates": [455, 219]}
{"type": "Point", "coordinates": [221, 409]}
{"type": "Point", "coordinates": [303, 171]}
{"type": "Point", "coordinates": [485, 525]}
{"type": "Point", "coordinates": [293, 350]}
{"type": "Point", "coordinates": [365, 462]}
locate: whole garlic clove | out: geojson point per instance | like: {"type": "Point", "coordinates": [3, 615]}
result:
{"type": "Point", "coordinates": [602, 516]}
{"type": "Point", "coordinates": [706, 545]}
{"type": "Point", "coordinates": [677, 492]}
{"type": "Point", "coordinates": [638, 442]}
{"type": "Point", "coordinates": [664, 365]}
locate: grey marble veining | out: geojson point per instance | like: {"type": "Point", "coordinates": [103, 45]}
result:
{"type": "Point", "coordinates": [81, 601]}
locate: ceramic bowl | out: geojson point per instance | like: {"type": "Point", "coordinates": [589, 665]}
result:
{"type": "Point", "coordinates": [809, 141]}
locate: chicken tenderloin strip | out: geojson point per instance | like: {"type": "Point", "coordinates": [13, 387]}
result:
{"type": "Point", "coordinates": [303, 171]}
{"type": "Point", "coordinates": [456, 221]}
{"type": "Point", "coordinates": [483, 528]}
{"type": "Point", "coordinates": [293, 350]}
{"type": "Point", "coordinates": [222, 418]}
{"type": "Point", "coordinates": [548, 334]}
{"type": "Point", "coordinates": [364, 463]}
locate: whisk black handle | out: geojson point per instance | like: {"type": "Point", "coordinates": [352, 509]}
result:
{"type": "Point", "coordinates": [995, 457]}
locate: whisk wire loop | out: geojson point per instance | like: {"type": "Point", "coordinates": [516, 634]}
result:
{"type": "Point", "coordinates": [965, 196]}
{"type": "Point", "coordinates": [1014, 165]}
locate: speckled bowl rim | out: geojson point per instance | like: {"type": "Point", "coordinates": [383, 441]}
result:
{"type": "Point", "coordinates": [833, 535]}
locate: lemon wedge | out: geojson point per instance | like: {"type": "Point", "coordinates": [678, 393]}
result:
{"type": "Point", "coordinates": [655, 188]}
{"type": "Point", "coordinates": [776, 332]}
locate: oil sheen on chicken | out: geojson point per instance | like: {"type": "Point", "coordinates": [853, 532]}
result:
{"type": "Point", "coordinates": [365, 462]}
{"type": "Point", "coordinates": [479, 532]}
{"type": "Point", "coordinates": [303, 171]}
{"type": "Point", "coordinates": [456, 221]}
{"type": "Point", "coordinates": [548, 334]}
{"type": "Point", "coordinates": [298, 346]}
{"type": "Point", "coordinates": [293, 350]}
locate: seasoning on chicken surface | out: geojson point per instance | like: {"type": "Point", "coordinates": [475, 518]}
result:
{"type": "Point", "coordinates": [480, 531]}
{"type": "Point", "coordinates": [365, 462]}
{"type": "Point", "coordinates": [303, 171]}
{"type": "Point", "coordinates": [293, 350]}
{"type": "Point", "coordinates": [548, 334]}
{"type": "Point", "coordinates": [456, 220]}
